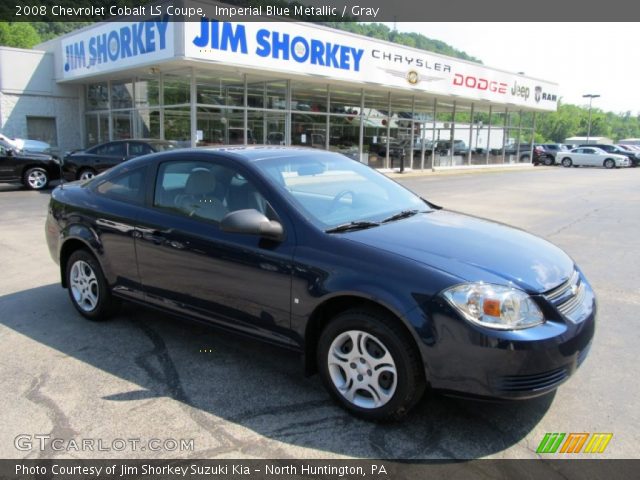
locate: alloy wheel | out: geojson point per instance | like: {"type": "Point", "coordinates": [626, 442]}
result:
{"type": "Point", "coordinates": [362, 369]}
{"type": "Point", "coordinates": [84, 286]}
{"type": "Point", "coordinates": [37, 179]}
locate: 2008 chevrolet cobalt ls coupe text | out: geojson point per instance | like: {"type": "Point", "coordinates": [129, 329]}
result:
{"type": "Point", "coordinates": [383, 292]}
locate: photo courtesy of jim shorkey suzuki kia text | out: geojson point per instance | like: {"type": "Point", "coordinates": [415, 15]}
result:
{"type": "Point", "coordinates": [279, 469]}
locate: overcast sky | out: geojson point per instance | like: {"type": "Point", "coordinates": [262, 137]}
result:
{"type": "Point", "coordinates": [600, 58]}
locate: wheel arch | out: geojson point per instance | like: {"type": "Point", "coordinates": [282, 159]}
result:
{"type": "Point", "coordinates": [82, 240]}
{"type": "Point", "coordinates": [336, 304]}
{"type": "Point", "coordinates": [29, 166]}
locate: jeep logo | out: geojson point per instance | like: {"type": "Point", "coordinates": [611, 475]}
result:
{"type": "Point", "coordinates": [520, 91]}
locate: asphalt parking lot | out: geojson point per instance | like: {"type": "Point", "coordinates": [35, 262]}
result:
{"type": "Point", "coordinates": [146, 375]}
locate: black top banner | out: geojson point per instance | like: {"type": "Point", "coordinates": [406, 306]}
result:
{"type": "Point", "coordinates": [320, 10]}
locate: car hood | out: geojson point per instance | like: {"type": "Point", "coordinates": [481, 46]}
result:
{"type": "Point", "coordinates": [472, 249]}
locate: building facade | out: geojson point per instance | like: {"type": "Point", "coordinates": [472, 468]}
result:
{"type": "Point", "coordinates": [213, 82]}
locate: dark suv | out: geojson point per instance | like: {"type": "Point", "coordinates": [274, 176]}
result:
{"type": "Point", "coordinates": [633, 160]}
{"type": "Point", "coordinates": [547, 153]}
{"type": "Point", "coordinates": [33, 170]}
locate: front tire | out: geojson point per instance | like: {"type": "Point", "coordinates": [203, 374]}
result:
{"type": "Point", "coordinates": [566, 162]}
{"type": "Point", "coordinates": [370, 365]}
{"type": "Point", "coordinates": [36, 178]}
{"type": "Point", "coordinates": [548, 161]}
{"type": "Point", "coordinates": [609, 163]}
{"type": "Point", "coordinates": [88, 288]}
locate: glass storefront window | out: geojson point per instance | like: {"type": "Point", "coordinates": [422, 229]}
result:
{"type": "Point", "coordinates": [344, 134]}
{"type": "Point", "coordinates": [121, 94]}
{"type": "Point", "coordinates": [222, 127]}
{"type": "Point", "coordinates": [309, 130]}
{"type": "Point", "coordinates": [222, 91]}
{"type": "Point", "coordinates": [308, 97]}
{"type": "Point", "coordinates": [269, 94]}
{"type": "Point", "coordinates": [98, 96]}
{"type": "Point", "coordinates": [177, 89]}
{"type": "Point", "coordinates": [121, 125]}
{"type": "Point", "coordinates": [177, 125]}
{"type": "Point", "coordinates": [97, 128]}
{"type": "Point", "coordinates": [147, 123]}
{"type": "Point", "coordinates": [147, 92]}
{"type": "Point", "coordinates": [267, 127]}
{"type": "Point", "coordinates": [345, 102]}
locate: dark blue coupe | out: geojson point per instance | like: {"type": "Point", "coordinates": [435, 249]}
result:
{"type": "Point", "coordinates": [384, 293]}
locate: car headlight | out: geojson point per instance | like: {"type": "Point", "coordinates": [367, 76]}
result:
{"type": "Point", "coordinates": [494, 306]}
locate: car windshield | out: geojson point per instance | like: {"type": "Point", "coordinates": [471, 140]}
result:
{"type": "Point", "coordinates": [333, 190]}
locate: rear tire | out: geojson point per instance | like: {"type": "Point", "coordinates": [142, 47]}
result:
{"type": "Point", "coordinates": [88, 288]}
{"type": "Point", "coordinates": [567, 162]}
{"type": "Point", "coordinates": [370, 365]}
{"type": "Point", "coordinates": [86, 174]}
{"type": "Point", "coordinates": [36, 178]}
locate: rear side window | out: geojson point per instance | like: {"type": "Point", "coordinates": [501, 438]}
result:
{"type": "Point", "coordinates": [116, 149]}
{"type": "Point", "coordinates": [138, 148]}
{"type": "Point", "coordinates": [127, 187]}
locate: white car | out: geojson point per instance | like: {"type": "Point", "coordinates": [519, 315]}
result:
{"type": "Point", "coordinates": [592, 157]}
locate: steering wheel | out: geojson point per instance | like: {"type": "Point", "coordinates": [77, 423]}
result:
{"type": "Point", "coordinates": [336, 200]}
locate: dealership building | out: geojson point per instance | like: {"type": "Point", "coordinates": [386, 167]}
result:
{"type": "Point", "coordinates": [280, 83]}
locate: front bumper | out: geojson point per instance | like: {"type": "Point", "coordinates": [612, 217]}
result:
{"type": "Point", "coordinates": [467, 359]}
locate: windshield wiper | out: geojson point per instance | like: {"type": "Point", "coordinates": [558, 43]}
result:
{"type": "Point", "coordinates": [400, 215]}
{"type": "Point", "coordinates": [346, 227]}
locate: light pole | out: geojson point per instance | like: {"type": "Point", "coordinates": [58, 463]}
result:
{"type": "Point", "coordinates": [590, 96]}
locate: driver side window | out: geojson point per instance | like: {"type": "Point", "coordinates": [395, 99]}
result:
{"type": "Point", "coordinates": [204, 190]}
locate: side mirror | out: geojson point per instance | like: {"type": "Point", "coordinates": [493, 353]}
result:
{"type": "Point", "coordinates": [251, 222]}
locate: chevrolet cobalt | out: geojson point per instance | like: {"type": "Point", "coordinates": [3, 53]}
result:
{"type": "Point", "coordinates": [382, 292]}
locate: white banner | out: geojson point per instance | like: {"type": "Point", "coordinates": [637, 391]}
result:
{"type": "Point", "coordinates": [305, 49]}
{"type": "Point", "coordinates": [115, 46]}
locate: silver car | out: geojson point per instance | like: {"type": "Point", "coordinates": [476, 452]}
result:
{"type": "Point", "coordinates": [592, 157]}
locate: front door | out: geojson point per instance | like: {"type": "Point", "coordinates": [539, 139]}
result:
{"type": "Point", "coordinates": [187, 264]}
{"type": "Point", "coordinates": [8, 164]}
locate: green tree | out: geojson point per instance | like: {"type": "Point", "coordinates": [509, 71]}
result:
{"type": "Point", "coordinates": [18, 34]}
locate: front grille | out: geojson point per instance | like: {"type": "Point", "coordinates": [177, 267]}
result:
{"type": "Point", "coordinates": [571, 298]}
{"type": "Point", "coordinates": [531, 383]}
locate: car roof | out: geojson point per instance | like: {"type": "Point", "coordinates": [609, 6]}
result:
{"type": "Point", "coordinates": [247, 154]}
{"type": "Point", "coordinates": [146, 140]}
{"type": "Point", "coordinates": [259, 152]}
